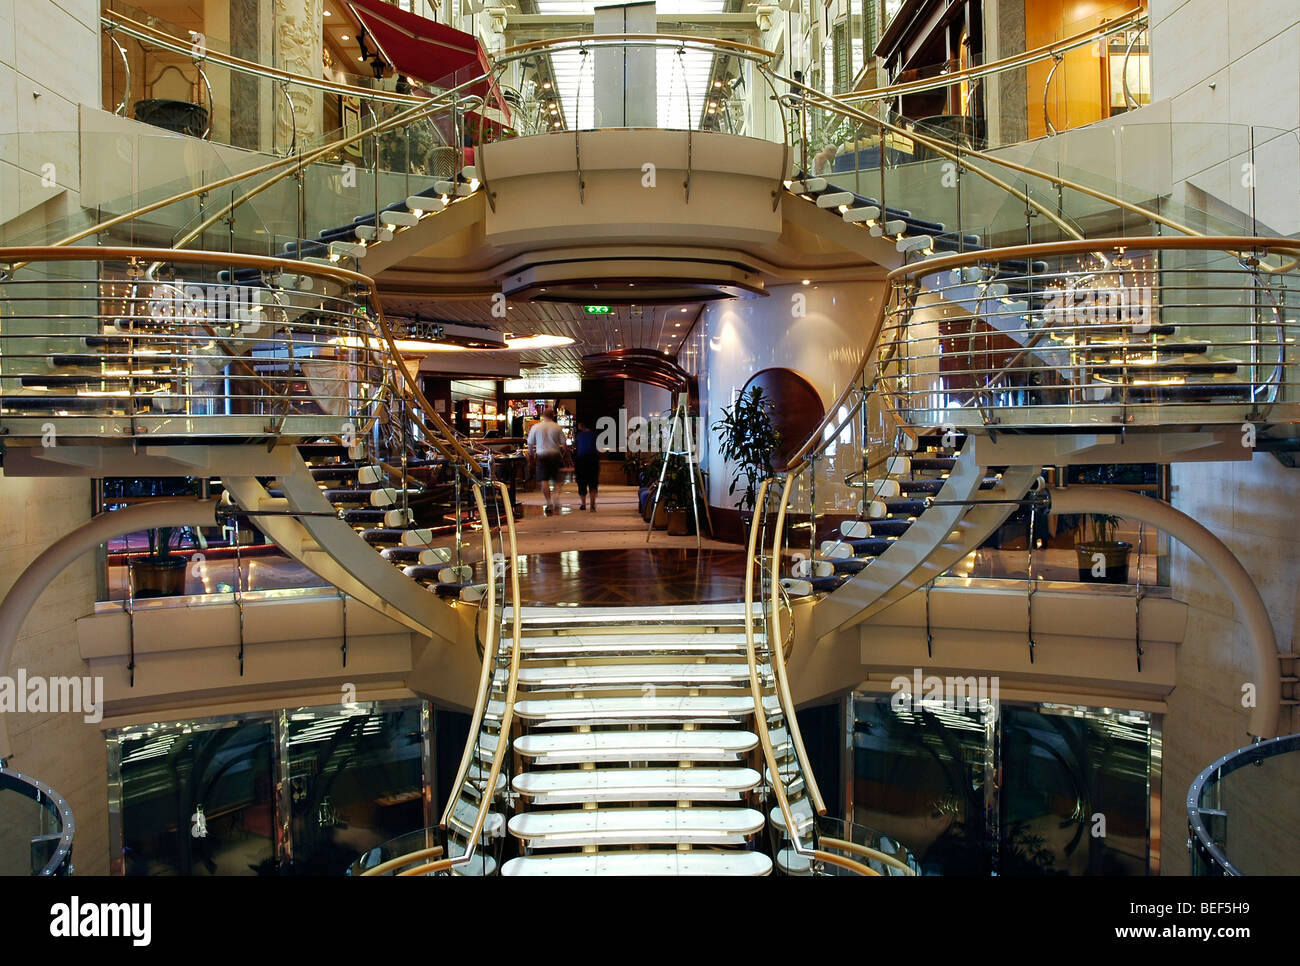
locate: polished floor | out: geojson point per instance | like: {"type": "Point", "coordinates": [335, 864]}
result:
{"type": "Point", "coordinates": [606, 557]}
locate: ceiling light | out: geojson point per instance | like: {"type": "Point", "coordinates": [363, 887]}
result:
{"type": "Point", "coordinates": [806, 281]}
{"type": "Point", "coordinates": [344, 37]}
{"type": "Point", "coordinates": [538, 342]}
{"type": "Point", "coordinates": [362, 59]}
{"type": "Point", "coordinates": [327, 13]}
{"type": "Point", "coordinates": [677, 325]}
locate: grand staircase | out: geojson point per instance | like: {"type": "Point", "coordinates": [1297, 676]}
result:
{"type": "Point", "coordinates": [636, 740]}
{"type": "Point", "coordinates": [637, 748]}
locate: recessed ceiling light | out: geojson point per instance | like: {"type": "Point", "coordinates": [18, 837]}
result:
{"type": "Point", "coordinates": [539, 342]}
{"type": "Point", "coordinates": [344, 37]}
{"type": "Point", "coordinates": [361, 58]}
{"type": "Point", "coordinates": [677, 325]}
{"type": "Point", "coordinates": [807, 281]}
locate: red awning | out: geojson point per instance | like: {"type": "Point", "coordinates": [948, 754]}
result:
{"type": "Point", "coordinates": [431, 52]}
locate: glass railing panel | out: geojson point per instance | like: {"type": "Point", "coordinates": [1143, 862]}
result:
{"type": "Point", "coordinates": [1243, 811]}
{"type": "Point", "coordinates": [1075, 334]}
{"type": "Point", "coordinates": [36, 828]}
{"type": "Point", "coordinates": [409, 844]}
{"type": "Point", "coordinates": [880, 852]}
{"type": "Point", "coordinates": [698, 84]}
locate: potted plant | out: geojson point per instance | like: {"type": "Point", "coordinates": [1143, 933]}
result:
{"type": "Point", "coordinates": [747, 438]}
{"type": "Point", "coordinates": [162, 573]}
{"type": "Point", "coordinates": [1102, 558]}
{"type": "Point", "coordinates": [676, 496]}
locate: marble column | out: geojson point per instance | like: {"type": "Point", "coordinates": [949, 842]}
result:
{"type": "Point", "coordinates": [246, 91]}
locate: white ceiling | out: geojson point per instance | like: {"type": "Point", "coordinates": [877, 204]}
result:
{"type": "Point", "coordinates": [661, 327]}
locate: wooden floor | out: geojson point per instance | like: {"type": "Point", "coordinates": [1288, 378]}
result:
{"type": "Point", "coordinates": [649, 575]}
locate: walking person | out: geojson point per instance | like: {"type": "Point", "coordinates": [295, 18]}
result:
{"type": "Point", "coordinates": [586, 464]}
{"type": "Point", "coordinates": [545, 451]}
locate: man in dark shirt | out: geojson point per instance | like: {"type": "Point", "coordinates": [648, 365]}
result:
{"type": "Point", "coordinates": [586, 464]}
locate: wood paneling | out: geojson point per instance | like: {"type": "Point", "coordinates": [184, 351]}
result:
{"type": "Point", "coordinates": [1076, 96]}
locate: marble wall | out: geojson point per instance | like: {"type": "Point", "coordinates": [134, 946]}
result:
{"type": "Point", "coordinates": [49, 65]}
{"type": "Point", "coordinates": [1215, 63]}
{"type": "Point", "coordinates": [735, 339]}
{"type": "Point", "coordinates": [1233, 63]}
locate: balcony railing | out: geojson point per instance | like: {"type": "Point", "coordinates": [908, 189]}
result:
{"type": "Point", "coordinates": [1152, 332]}
{"type": "Point", "coordinates": [1241, 811]}
{"type": "Point", "coordinates": [31, 810]}
{"type": "Point", "coordinates": [121, 343]}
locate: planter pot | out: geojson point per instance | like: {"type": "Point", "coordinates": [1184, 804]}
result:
{"type": "Point", "coordinates": [179, 116]}
{"type": "Point", "coordinates": [680, 522]}
{"type": "Point", "coordinates": [158, 576]}
{"type": "Point", "coordinates": [661, 517]}
{"type": "Point", "coordinates": [1113, 555]}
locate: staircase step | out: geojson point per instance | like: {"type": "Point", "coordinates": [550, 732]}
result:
{"type": "Point", "coordinates": [593, 711]}
{"type": "Point", "coordinates": [909, 508]}
{"type": "Point", "coordinates": [637, 826]}
{"type": "Point", "coordinates": [925, 463]}
{"type": "Point", "coordinates": [620, 746]}
{"type": "Point", "coordinates": [599, 676]}
{"type": "Point", "coordinates": [802, 812]}
{"type": "Point", "coordinates": [650, 863]}
{"type": "Point", "coordinates": [574, 786]}
{"type": "Point", "coordinates": [595, 645]}
{"type": "Point", "coordinates": [465, 814]}
{"type": "Point", "coordinates": [707, 615]}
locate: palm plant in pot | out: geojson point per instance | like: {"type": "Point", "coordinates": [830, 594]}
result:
{"type": "Point", "coordinates": [162, 573]}
{"type": "Point", "coordinates": [649, 477]}
{"type": "Point", "coordinates": [677, 496]}
{"type": "Point", "coordinates": [1102, 558]}
{"type": "Point", "coordinates": [747, 438]}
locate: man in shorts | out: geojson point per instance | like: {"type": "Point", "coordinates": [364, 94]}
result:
{"type": "Point", "coordinates": [545, 451]}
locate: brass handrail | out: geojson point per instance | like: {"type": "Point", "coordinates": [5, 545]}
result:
{"type": "Point", "coordinates": [868, 852]}
{"type": "Point", "coordinates": [291, 163]}
{"type": "Point", "coordinates": [1242, 247]}
{"type": "Point", "coordinates": [760, 713]}
{"type": "Point", "coordinates": [485, 686]}
{"type": "Point", "coordinates": [1229, 244]}
{"type": "Point", "coordinates": [442, 436]}
{"type": "Point", "coordinates": [115, 20]}
{"type": "Point", "coordinates": [962, 156]}
{"type": "Point", "coordinates": [485, 673]}
{"type": "Point", "coordinates": [1123, 22]}
{"type": "Point", "coordinates": [830, 858]}
{"type": "Point", "coordinates": [778, 657]}
{"type": "Point", "coordinates": [830, 103]}
{"type": "Point", "coordinates": [433, 852]}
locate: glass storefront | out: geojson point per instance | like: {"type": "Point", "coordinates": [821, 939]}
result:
{"type": "Point", "coordinates": [1008, 788]}
{"type": "Point", "coordinates": [299, 791]}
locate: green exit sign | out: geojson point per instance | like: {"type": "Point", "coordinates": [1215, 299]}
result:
{"type": "Point", "coordinates": [598, 309]}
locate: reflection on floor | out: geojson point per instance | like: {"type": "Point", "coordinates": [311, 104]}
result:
{"type": "Point", "coordinates": [575, 556]}
{"type": "Point", "coordinates": [655, 575]}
